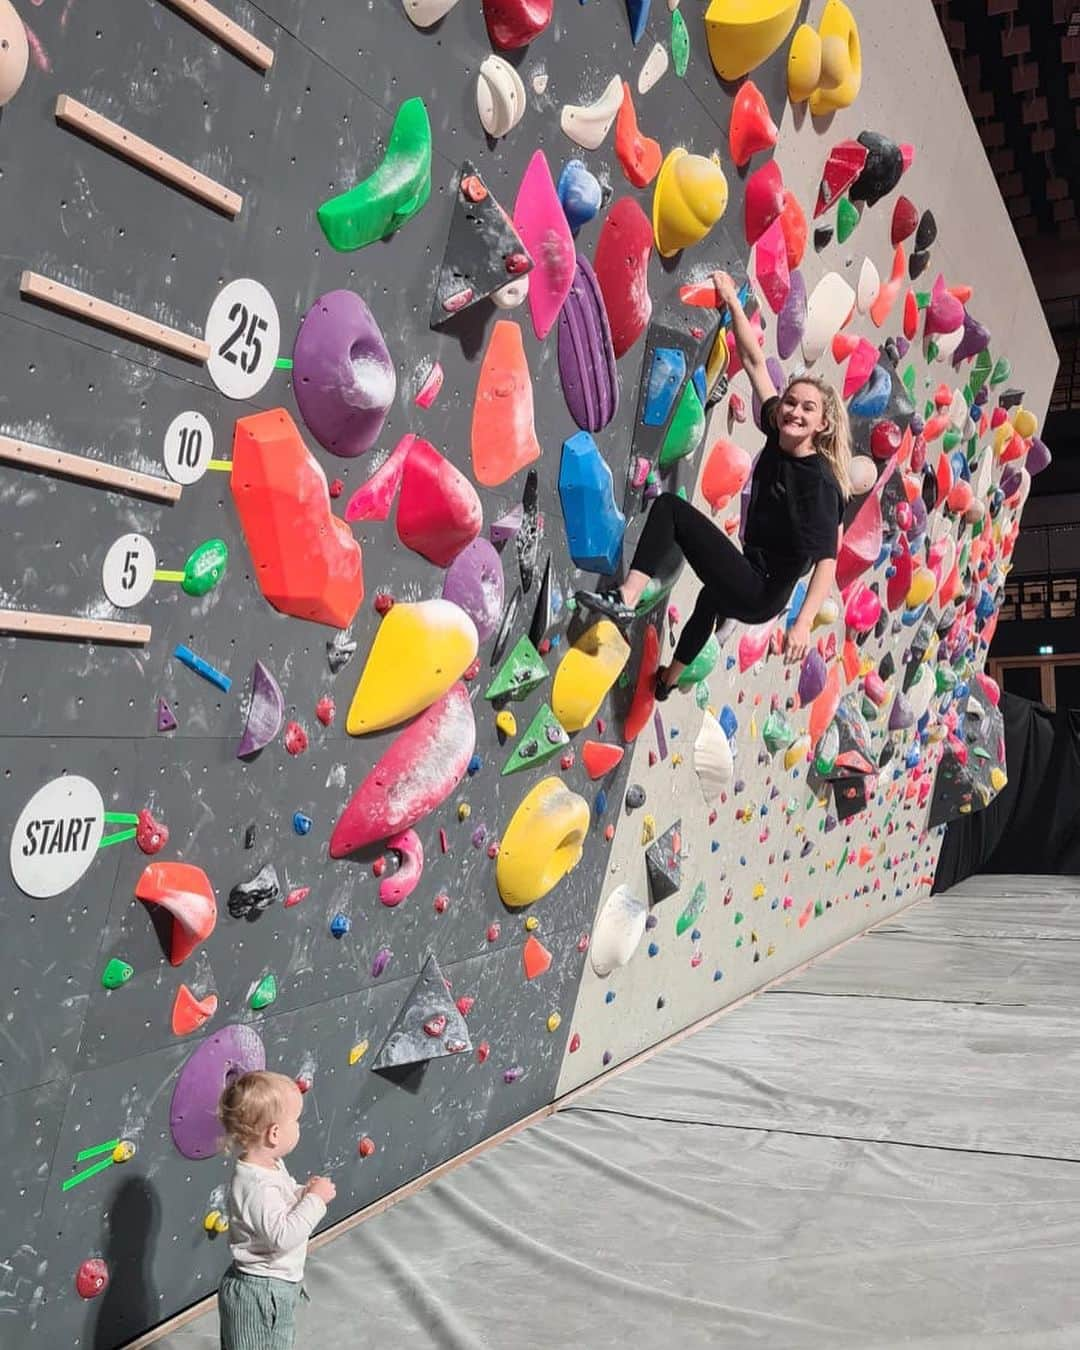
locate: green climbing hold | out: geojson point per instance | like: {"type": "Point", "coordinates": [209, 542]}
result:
{"type": "Point", "coordinates": [980, 371]}
{"type": "Point", "coordinates": [116, 973]}
{"type": "Point", "coordinates": [680, 43]}
{"type": "Point", "coordinates": [521, 672]}
{"type": "Point", "coordinates": [847, 217]}
{"type": "Point", "coordinates": [819, 909]}
{"type": "Point", "coordinates": [950, 440]}
{"type": "Point", "coordinates": [687, 425]}
{"type": "Point", "coordinates": [738, 916]}
{"type": "Point", "coordinates": [543, 737]}
{"type": "Point", "coordinates": [777, 732]}
{"type": "Point", "coordinates": [932, 350]}
{"type": "Point", "coordinates": [840, 864]}
{"type": "Point", "coordinates": [393, 194]}
{"type": "Point", "coordinates": [265, 992]}
{"type": "Point", "coordinates": [1001, 372]}
{"type": "Point", "coordinates": [922, 299]}
{"type": "Point", "coordinates": [651, 596]}
{"type": "Point", "coordinates": [701, 695]}
{"type": "Point", "coordinates": [827, 750]}
{"type": "Point", "coordinates": [702, 665]}
{"type": "Point", "coordinates": [869, 709]}
{"type": "Point", "coordinates": [944, 679]}
{"type": "Point", "coordinates": [696, 904]}
{"type": "Point", "coordinates": [206, 566]}
{"type": "Point", "coordinates": [908, 378]}
{"type": "Point", "coordinates": [682, 493]}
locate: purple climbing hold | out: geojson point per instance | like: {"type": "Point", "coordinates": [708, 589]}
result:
{"type": "Point", "coordinates": [902, 715]}
{"type": "Point", "coordinates": [791, 321]}
{"type": "Point", "coordinates": [166, 718]}
{"type": "Point", "coordinates": [661, 739]}
{"type": "Point", "coordinates": [512, 1075]}
{"type": "Point", "coordinates": [1038, 458]}
{"type": "Point", "coordinates": [382, 960]}
{"type": "Point", "coordinates": [506, 527]}
{"type": "Point", "coordinates": [976, 339]}
{"type": "Point", "coordinates": [812, 676]}
{"type": "Point", "coordinates": [474, 582]}
{"type": "Point", "coordinates": [586, 356]}
{"type": "Point", "coordinates": [266, 712]}
{"type": "Point", "coordinates": [779, 379]}
{"type": "Point", "coordinates": [193, 1118]}
{"type": "Point", "coordinates": [343, 376]}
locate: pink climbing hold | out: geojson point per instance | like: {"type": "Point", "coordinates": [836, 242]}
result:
{"type": "Point", "coordinates": [295, 738]}
{"type": "Point", "coordinates": [846, 161]}
{"type": "Point", "coordinates": [764, 201]}
{"type": "Point", "coordinates": [429, 390]}
{"type": "Point", "coordinates": [541, 222]}
{"type": "Point", "coordinates": [944, 314]}
{"type": "Point", "coordinates": [439, 512]}
{"type": "Point", "coordinates": [771, 265]}
{"type": "Point", "coordinates": [150, 834]}
{"type": "Point", "coordinates": [325, 710]}
{"type": "Point", "coordinates": [863, 609]}
{"type": "Point", "coordinates": [726, 472]}
{"type": "Point", "coordinates": [753, 644]}
{"type": "Point", "coordinates": [860, 366]}
{"type": "Point", "coordinates": [373, 499]}
{"type": "Point", "coordinates": [394, 889]}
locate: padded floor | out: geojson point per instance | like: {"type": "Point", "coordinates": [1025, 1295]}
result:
{"type": "Point", "coordinates": [883, 1152]}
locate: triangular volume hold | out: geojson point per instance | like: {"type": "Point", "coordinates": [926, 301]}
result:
{"type": "Point", "coordinates": [542, 738]}
{"type": "Point", "coordinates": [663, 863]}
{"type": "Point", "coordinates": [521, 672]}
{"type": "Point", "coordinates": [428, 1026]}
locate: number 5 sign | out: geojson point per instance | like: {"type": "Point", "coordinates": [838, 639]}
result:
{"type": "Point", "coordinates": [128, 570]}
{"type": "Point", "coordinates": [244, 334]}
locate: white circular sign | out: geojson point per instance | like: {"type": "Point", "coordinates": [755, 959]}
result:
{"type": "Point", "coordinates": [128, 570]}
{"type": "Point", "coordinates": [189, 447]}
{"type": "Point", "coordinates": [244, 333]}
{"type": "Point", "coordinates": [57, 835]}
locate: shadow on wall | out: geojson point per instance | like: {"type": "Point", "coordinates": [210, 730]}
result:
{"type": "Point", "coordinates": [130, 1303]}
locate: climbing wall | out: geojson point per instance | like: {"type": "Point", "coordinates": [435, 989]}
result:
{"type": "Point", "coordinates": [341, 345]}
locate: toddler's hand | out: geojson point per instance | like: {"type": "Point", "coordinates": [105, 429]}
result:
{"type": "Point", "coordinates": [323, 1187]}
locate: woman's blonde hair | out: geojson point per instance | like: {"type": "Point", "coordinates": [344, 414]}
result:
{"type": "Point", "coordinates": [250, 1105]}
{"type": "Point", "coordinates": [834, 443]}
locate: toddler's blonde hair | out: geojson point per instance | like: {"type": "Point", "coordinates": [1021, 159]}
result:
{"type": "Point", "coordinates": [250, 1105]}
{"type": "Point", "coordinates": [833, 444]}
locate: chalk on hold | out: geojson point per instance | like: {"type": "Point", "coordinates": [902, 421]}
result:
{"type": "Point", "coordinates": [586, 673]}
{"type": "Point", "coordinates": [474, 581]}
{"type": "Point", "coordinates": [542, 843]}
{"type": "Point", "coordinates": [743, 33]}
{"type": "Point", "coordinates": [829, 305]}
{"type": "Point", "coordinates": [535, 958]}
{"type": "Point", "coordinates": [619, 928]}
{"type": "Point", "coordinates": [439, 511]}
{"type": "Point", "coordinates": [594, 524]}
{"type": "Point", "coordinates": [265, 712]}
{"type": "Point", "coordinates": [544, 230]}
{"type": "Point", "coordinates": [428, 1025]}
{"type": "Point", "coordinates": [663, 863]}
{"type": "Point", "coordinates": [412, 777]}
{"type": "Point", "coordinates": [588, 124]}
{"type": "Point", "coordinates": [184, 892]}
{"type": "Point", "coordinates": [484, 253]}
{"type": "Point", "coordinates": [400, 885]}
{"type": "Point", "coordinates": [579, 192]}
{"type": "Point", "coordinates": [694, 909]}
{"type": "Point", "coordinates": [400, 187]}
{"type": "Point", "coordinates": [228, 33]}
{"type": "Point", "coordinates": [541, 739]}
{"type": "Point", "coordinates": [690, 196]}
{"type": "Point", "coordinates": [503, 437]}
{"type": "Point", "coordinates": [419, 651]}
{"type": "Point", "coordinates": [521, 672]}
{"type": "Point", "coordinates": [306, 562]}
{"type": "Point", "coordinates": [500, 96]}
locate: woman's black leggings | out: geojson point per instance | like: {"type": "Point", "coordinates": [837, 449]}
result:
{"type": "Point", "coordinates": [733, 587]}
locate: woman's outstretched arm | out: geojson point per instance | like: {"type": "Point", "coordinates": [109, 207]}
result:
{"type": "Point", "coordinates": [746, 338]}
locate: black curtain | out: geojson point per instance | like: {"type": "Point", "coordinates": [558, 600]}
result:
{"type": "Point", "coordinates": [1033, 824]}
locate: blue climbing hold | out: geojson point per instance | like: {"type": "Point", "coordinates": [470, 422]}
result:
{"type": "Point", "coordinates": [695, 935]}
{"type": "Point", "coordinates": [654, 948]}
{"type": "Point", "coordinates": [594, 524]}
{"type": "Point", "coordinates": [717, 975]}
{"type": "Point", "coordinates": [601, 802]}
{"type": "Point", "coordinates": [795, 604]}
{"type": "Point", "coordinates": [873, 398]}
{"type": "Point", "coordinates": [301, 823]}
{"type": "Point", "coordinates": [728, 721]}
{"type": "Point", "coordinates": [609, 997]}
{"type": "Point", "coordinates": [340, 925]}
{"type": "Point", "coordinates": [665, 380]}
{"type": "Point", "coordinates": [699, 384]}
{"type": "Point", "coordinates": [637, 11]}
{"type": "Point", "coordinates": [475, 765]}
{"type": "Point", "coordinates": [580, 194]}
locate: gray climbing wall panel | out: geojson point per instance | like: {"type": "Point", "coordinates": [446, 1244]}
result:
{"type": "Point", "coordinates": [83, 1064]}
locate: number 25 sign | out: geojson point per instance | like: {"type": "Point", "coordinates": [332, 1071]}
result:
{"type": "Point", "coordinates": [244, 334]}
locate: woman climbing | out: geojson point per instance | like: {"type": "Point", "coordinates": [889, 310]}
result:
{"type": "Point", "coordinates": [800, 483]}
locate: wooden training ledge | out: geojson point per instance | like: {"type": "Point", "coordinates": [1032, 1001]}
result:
{"type": "Point", "coordinates": [32, 623]}
{"type": "Point", "coordinates": [96, 472]}
{"type": "Point", "coordinates": [121, 320]}
{"type": "Point", "coordinates": [229, 34]}
{"type": "Point", "coordinates": [135, 150]}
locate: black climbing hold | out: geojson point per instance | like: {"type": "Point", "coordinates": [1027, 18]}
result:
{"type": "Point", "coordinates": [822, 237]}
{"type": "Point", "coordinates": [917, 264]}
{"type": "Point", "coordinates": [882, 171]}
{"type": "Point", "coordinates": [926, 233]}
{"type": "Point", "coordinates": [542, 615]}
{"type": "Point", "coordinates": [248, 899]}
{"type": "Point", "coordinates": [527, 539]}
{"type": "Point", "coordinates": [339, 652]}
{"type": "Point", "coordinates": [663, 864]}
{"type": "Point", "coordinates": [635, 796]}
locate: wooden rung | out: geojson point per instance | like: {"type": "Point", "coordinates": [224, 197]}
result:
{"type": "Point", "coordinates": [31, 623]}
{"type": "Point", "coordinates": [229, 34]}
{"type": "Point", "coordinates": [136, 326]}
{"type": "Point", "coordinates": [96, 472]}
{"type": "Point", "coordinates": [133, 148]}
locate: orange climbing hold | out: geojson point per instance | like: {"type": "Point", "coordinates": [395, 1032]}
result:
{"type": "Point", "coordinates": [183, 891]}
{"type": "Point", "coordinates": [752, 128]}
{"type": "Point", "coordinates": [305, 560]}
{"type": "Point", "coordinates": [823, 709]}
{"type": "Point", "coordinates": [600, 758]}
{"type": "Point", "coordinates": [503, 431]}
{"type": "Point", "coordinates": [535, 957]}
{"type": "Point", "coordinates": [189, 1012]}
{"type": "Point", "coordinates": [639, 155]}
{"type": "Point", "coordinates": [641, 708]}
{"type": "Point", "coordinates": [886, 297]}
{"type": "Point", "coordinates": [793, 223]}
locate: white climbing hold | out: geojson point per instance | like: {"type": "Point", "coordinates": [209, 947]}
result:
{"type": "Point", "coordinates": [869, 286]}
{"type": "Point", "coordinates": [656, 63]}
{"type": "Point", "coordinates": [539, 79]}
{"type": "Point", "coordinates": [827, 309]}
{"type": "Point", "coordinates": [588, 124]}
{"type": "Point", "coordinates": [713, 760]}
{"type": "Point", "coordinates": [512, 294]}
{"type": "Point", "coordinates": [619, 927]}
{"type": "Point", "coordinates": [424, 13]}
{"type": "Point", "coordinates": [500, 96]}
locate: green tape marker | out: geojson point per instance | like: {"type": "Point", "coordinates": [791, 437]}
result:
{"type": "Point", "coordinates": [121, 818]}
{"type": "Point", "coordinates": [97, 1150]}
{"type": "Point", "coordinates": [121, 838]}
{"type": "Point", "coordinates": [283, 363]}
{"type": "Point", "coordinates": [86, 1174]}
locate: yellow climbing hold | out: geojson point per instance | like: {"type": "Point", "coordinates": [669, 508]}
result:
{"type": "Point", "coordinates": [123, 1151]}
{"type": "Point", "coordinates": [923, 585]}
{"type": "Point", "coordinates": [797, 751]}
{"type": "Point", "coordinates": [826, 66]}
{"type": "Point", "coordinates": [543, 842]}
{"type": "Point", "coordinates": [804, 63]}
{"type": "Point", "coordinates": [690, 196]}
{"type": "Point", "coordinates": [998, 779]}
{"type": "Point", "coordinates": [1025, 422]}
{"type": "Point", "coordinates": [532, 923]}
{"type": "Point", "coordinates": [676, 759]}
{"type": "Point", "coordinates": [554, 1022]}
{"type": "Point", "coordinates": [418, 653]}
{"type": "Point", "coordinates": [648, 830]}
{"type": "Point", "coordinates": [216, 1222]}
{"type": "Point", "coordinates": [357, 1053]}
{"type": "Point", "coordinates": [464, 811]}
{"type": "Point", "coordinates": [827, 614]}
{"type": "Point", "coordinates": [586, 674]}
{"type": "Point", "coordinates": [758, 891]}
{"type": "Point", "coordinates": [743, 33]}
{"type": "Point", "coordinates": [506, 722]}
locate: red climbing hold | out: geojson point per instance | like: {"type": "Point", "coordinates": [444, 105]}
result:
{"type": "Point", "coordinates": [535, 958]}
{"type": "Point", "coordinates": [514, 23]}
{"type": "Point", "coordinates": [639, 155]}
{"type": "Point", "coordinates": [439, 512]}
{"type": "Point", "coordinates": [306, 561]}
{"type": "Point", "coordinates": [373, 499]}
{"type": "Point", "coordinates": [911, 316]}
{"type": "Point", "coordinates": [641, 708]}
{"type": "Point", "coordinates": [92, 1278]}
{"type": "Point", "coordinates": [621, 264]}
{"type": "Point", "coordinates": [600, 758]}
{"type": "Point", "coordinates": [184, 891]}
{"type": "Point", "coordinates": [764, 200]}
{"type": "Point", "coordinates": [189, 1012]}
{"type": "Point", "coordinates": [325, 710]}
{"type": "Point", "coordinates": [296, 739]}
{"type": "Point", "coordinates": [150, 835]}
{"type": "Point", "coordinates": [846, 161]}
{"type": "Point", "coordinates": [905, 218]}
{"type": "Point", "coordinates": [752, 128]}
{"type": "Point", "coordinates": [366, 1146]}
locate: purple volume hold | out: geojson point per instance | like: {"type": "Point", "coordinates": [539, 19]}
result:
{"type": "Point", "coordinates": [791, 320]}
{"type": "Point", "coordinates": [193, 1119]}
{"type": "Point", "coordinates": [343, 377]}
{"type": "Point", "coordinates": [474, 582]}
{"type": "Point", "coordinates": [590, 383]}
{"type": "Point", "coordinates": [266, 712]}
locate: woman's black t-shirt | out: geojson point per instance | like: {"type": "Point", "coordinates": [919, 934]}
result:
{"type": "Point", "coordinates": [796, 506]}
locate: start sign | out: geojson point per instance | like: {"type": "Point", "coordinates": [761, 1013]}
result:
{"type": "Point", "coordinates": [57, 835]}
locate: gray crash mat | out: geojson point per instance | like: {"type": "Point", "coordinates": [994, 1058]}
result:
{"type": "Point", "coordinates": [882, 1152]}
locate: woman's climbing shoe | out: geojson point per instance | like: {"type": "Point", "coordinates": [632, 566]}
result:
{"type": "Point", "coordinates": [609, 603]}
{"type": "Point", "coordinates": [661, 688]}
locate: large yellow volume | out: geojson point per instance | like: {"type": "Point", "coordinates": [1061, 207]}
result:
{"type": "Point", "coordinates": [542, 843]}
{"type": "Point", "coordinates": [586, 674]}
{"type": "Point", "coordinates": [743, 33]}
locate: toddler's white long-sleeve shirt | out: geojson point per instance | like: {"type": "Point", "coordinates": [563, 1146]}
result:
{"type": "Point", "coordinates": [270, 1221]}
